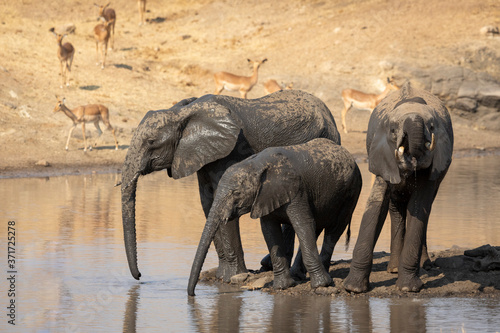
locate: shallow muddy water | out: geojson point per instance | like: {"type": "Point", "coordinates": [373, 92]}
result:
{"type": "Point", "coordinates": [71, 272]}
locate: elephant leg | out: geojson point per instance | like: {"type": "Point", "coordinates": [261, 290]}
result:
{"type": "Point", "coordinates": [305, 227]}
{"type": "Point", "coordinates": [289, 244]}
{"type": "Point", "coordinates": [298, 270]}
{"type": "Point", "coordinates": [227, 240]}
{"type": "Point", "coordinates": [271, 229]}
{"type": "Point", "coordinates": [419, 208]}
{"type": "Point", "coordinates": [397, 211]}
{"type": "Point", "coordinates": [369, 231]}
{"type": "Point", "coordinates": [233, 261]}
{"type": "Point", "coordinates": [425, 260]}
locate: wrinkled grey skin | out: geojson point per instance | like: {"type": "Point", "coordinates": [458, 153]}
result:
{"type": "Point", "coordinates": [313, 186]}
{"type": "Point", "coordinates": [206, 136]}
{"type": "Point", "coordinates": [407, 181]}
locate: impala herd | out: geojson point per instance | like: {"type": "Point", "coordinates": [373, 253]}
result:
{"type": "Point", "coordinates": [105, 31]}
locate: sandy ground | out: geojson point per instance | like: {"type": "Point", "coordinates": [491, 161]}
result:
{"type": "Point", "coordinates": [320, 46]}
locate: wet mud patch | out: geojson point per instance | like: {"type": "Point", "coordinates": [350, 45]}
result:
{"type": "Point", "coordinates": [453, 274]}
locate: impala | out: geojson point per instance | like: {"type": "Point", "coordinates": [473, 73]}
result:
{"type": "Point", "coordinates": [101, 35]}
{"type": "Point", "coordinates": [110, 16]}
{"type": "Point", "coordinates": [231, 82]}
{"type": "Point", "coordinates": [272, 85]}
{"type": "Point", "coordinates": [65, 53]}
{"type": "Point", "coordinates": [92, 113]}
{"type": "Point", "coordinates": [363, 101]}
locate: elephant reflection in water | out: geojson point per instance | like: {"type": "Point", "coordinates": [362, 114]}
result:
{"type": "Point", "coordinates": [409, 144]}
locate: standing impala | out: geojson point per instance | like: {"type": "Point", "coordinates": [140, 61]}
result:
{"type": "Point", "coordinates": [231, 82]}
{"type": "Point", "coordinates": [65, 53]}
{"type": "Point", "coordinates": [92, 113]}
{"type": "Point", "coordinates": [361, 100]}
{"type": "Point", "coordinates": [101, 35]}
{"type": "Point", "coordinates": [110, 16]}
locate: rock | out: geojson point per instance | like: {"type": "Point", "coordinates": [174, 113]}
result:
{"type": "Point", "coordinates": [239, 278]}
{"type": "Point", "coordinates": [42, 163]}
{"type": "Point", "coordinates": [489, 30]}
{"type": "Point", "coordinates": [259, 283]}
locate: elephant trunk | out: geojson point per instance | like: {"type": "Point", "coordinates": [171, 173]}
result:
{"type": "Point", "coordinates": [129, 187]}
{"type": "Point", "coordinates": [414, 128]}
{"type": "Point", "coordinates": [214, 220]}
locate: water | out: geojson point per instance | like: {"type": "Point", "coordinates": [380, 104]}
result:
{"type": "Point", "coordinates": [72, 273]}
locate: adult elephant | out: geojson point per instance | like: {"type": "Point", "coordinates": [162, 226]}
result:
{"type": "Point", "coordinates": [410, 144]}
{"type": "Point", "coordinates": [206, 136]}
{"type": "Point", "coordinates": [312, 187]}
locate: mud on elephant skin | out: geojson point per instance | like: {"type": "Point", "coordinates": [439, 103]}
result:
{"type": "Point", "coordinates": [206, 136]}
{"type": "Point", "coordinates": [409, 144]}
{"type": "Point", "coordinates": [313, 186]}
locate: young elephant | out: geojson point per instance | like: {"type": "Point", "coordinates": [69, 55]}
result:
{"type": "Point", "coordinates": [312, 186]}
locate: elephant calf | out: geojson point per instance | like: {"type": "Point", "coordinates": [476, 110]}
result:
{"type": "Point", "coordinates": [312, 186]}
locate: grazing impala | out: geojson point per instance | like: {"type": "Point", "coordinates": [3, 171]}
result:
{"type": "Point", "coordinates": [272, 85]}
{"type": "Point", "coordinates": [65, 53]}
{"type": "Point", "coordinates": [101, 35]}
{"type": "Point", "coordinates": [92, 113]}
{"type": "Point", "coordinates": [110, 16]}
{"type": "Point", "coordinates": [142, 10]}
{"type": "Point", "coordinates": [243, 84]}
{"type": "Point", "coordinates": [361, 100]}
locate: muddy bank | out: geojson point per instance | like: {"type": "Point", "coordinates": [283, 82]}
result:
{"type": "Point", "coordinates": [453, 274]}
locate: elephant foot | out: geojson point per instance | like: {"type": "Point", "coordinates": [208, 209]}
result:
{"type": "Point", "coordinates": [321, 280]}
{"type": "Point", "coordinates": [266, 264]}
{"type": "Point", "coordinates": [356, 283]}
{"type": "Point", "coordinates": [283, 281]}
{"type": "Point", "coordinates": [226, 271]}
{"type": "Point", "coordinates": [392, 267]}
{"type": "Point", "coordinates": [409, 283]}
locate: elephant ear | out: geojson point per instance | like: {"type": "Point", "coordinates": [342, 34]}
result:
{"type": "Point", "coordinates": [382, 161]}
{"type": "Point", "coordinates": [209, 133]}
{"type": "Point", "coordinates": [443, 152]}
{"type": "Point", "coordinates": [279, 184]}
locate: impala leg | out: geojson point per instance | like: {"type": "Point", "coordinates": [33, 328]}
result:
{"type": "Point", "coordinates": [97, 52]}
{"type": "Point", "coordinates": [347, 107]}
{"type": "Point", "coordinates": [69, 135]}
{"type": "Point", "coordinates": [99, 132]}
{"type": "Point", "coordinates": [62, 75]}
{"type": "Point", "coordinates": [69, 62]}
{"type": "Point", "coordinates": [84, 137]}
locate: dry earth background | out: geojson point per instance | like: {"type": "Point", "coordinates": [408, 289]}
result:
{"type": "Point", "coordinates": [320, 46]}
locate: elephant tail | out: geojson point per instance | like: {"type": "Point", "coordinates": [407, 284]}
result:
{"type": "Point", "coordinates": [348, 236]}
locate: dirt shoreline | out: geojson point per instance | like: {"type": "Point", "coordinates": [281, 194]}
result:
{"type": "Point", "coordinates": [452, 275]}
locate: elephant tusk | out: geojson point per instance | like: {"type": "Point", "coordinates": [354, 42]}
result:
{"type": "Point", "coordinates": [431, 145]}
{"type": "Point", "coordinates": [399, 152]}
{"type": "Point", "coordinates": [131, 181]}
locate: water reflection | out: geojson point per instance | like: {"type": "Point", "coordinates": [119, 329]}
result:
{"type": "Point", "coordinates": [73, 274]}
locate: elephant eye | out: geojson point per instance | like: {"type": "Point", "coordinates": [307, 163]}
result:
{"type": "Point", "coordinates": [151, 142]}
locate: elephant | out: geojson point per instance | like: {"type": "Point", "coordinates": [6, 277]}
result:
{"type": "Point", "coordinates": [312, 186]}
{"type": "Point", "coordinates": [207, 135]}
{"type": "Point", "coordinates": [410, 145]}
